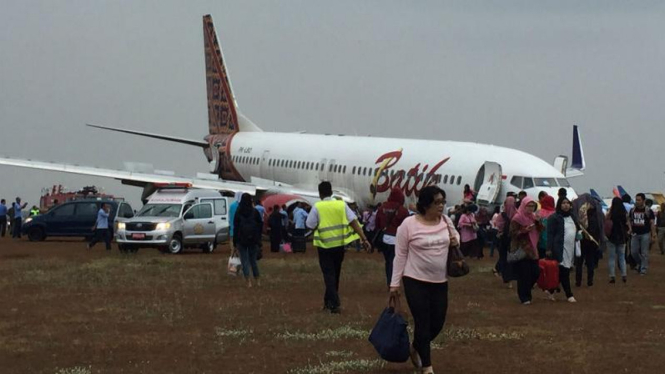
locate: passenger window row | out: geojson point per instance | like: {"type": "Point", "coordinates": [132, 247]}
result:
{"type": "Point", "coordinates": [246, 160]}
{"type": "Point", "coordinates": [334, 168]}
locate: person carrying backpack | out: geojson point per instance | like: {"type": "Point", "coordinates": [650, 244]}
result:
{"type": "Point", "coordinates": [247, 231]}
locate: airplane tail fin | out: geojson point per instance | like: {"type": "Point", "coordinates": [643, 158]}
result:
{"type": "Point", "coordinates": [621, 190]}
{"type": "Point", "coordinates": [616, 193]}
{"type": "Point", "coordinates": [596, 196]}
{"type": "Point", "coordinates": [223, 115]}
{"type": "Point", "coordinates": [578, 164]}
{"type": "Point", "coordinates": [578, 151]}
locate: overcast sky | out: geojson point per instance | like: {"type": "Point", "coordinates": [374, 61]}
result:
{"type": "Point", "coordinates": [512, 73]}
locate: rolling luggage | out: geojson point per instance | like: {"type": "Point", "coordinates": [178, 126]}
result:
{"type": "Point", "coordinates": [298, 243]}
{"type": "Point", "coordinates": [549, 274]}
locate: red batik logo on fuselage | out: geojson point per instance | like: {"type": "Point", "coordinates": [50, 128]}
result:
{"type": "Point", "coordinates": [409, 181]}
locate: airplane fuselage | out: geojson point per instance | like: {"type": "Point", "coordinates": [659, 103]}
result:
{"type": "Point", "coordinates": [367, 168]}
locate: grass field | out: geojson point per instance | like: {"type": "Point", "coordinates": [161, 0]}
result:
{"type": "Point", "coordinates": [67, 310]}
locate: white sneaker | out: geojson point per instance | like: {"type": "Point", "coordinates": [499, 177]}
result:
{"type": "Point", "coordinates": [572, 300]}
{"type": "Point", "coordinates": [526, 303]}
{"type": "Point", "coordinates": [550, 295]}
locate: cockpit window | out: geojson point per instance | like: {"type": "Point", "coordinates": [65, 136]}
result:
{"type": "Point", "coordinates": [528, 183]}
{"type": "Point", "coordinates": [563, 182]}
{"type": "Point", "coordinates": [546, 182]}
{"type": "Point", "coordinates": [516, 181]}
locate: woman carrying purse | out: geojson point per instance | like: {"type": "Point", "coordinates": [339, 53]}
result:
{"type": "Point", "coordinates": [421, 264]}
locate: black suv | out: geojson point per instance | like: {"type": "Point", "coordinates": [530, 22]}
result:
{"type": "Point", "coordinates": [73, 218]}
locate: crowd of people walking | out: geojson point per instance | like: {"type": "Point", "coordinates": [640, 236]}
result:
{"type": "Point", "coordinates": [534, 239]}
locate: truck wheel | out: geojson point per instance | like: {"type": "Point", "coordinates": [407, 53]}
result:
{"type": "Point", "coordinates": [208, 247]}
{"type": "Point", "coordinates": [175, 244]}
{"type": "Point", "coordinates": [36, 234]}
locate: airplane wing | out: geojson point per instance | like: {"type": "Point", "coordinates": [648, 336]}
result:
{"type": "Point", "coordinates": [139, 179]}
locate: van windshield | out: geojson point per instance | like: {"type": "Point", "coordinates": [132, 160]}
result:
{"type": "Point", "coordinates": [160, 210]}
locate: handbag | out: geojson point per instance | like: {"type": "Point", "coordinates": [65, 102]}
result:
{"type": "Point", "coordinates": [389, 336]}
{"type": "Point", "coordinates": [516, 255]}
{"type": "Point", "coordinates": [233, 266]}
{"type": "Point", "coordinates": [286, 248]}
{"type": "Point", "coordinates": [455, 266]}
{"type": "Point", "coordinates": [378, 237]}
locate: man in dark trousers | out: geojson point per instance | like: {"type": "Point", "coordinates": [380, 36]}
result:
{"type": "Point", "coordinates": [101, 228]}
{"type": "Point", "coordinates": [642, 227]}
{"type": "Point", "coordinates": [18, 218]}
{"type": "Point", "coordinates": [334, 224]}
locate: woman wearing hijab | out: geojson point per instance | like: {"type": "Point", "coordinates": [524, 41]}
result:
{"type": "Point", "coordinates": [276, 228]}
{"type": "Point", "coordinates": [616, 240]}
{"type": "Point", "coordinates": [248, 227]}
{"type": "Point", "coordinates": [562, 230]}
{"type": "Point", "coordinates": [389, 217]}
{"type": "Point", "coordinates": [503, 235]}
{"type": "Point", "coordinates": [525, 230]}
{"type": "Point", "coordinates": [546, 210]}
{"type": "Point", "coordinates": [469, 195]}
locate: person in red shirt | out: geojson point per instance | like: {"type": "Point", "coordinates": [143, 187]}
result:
{"type": "Point", "coordinates": [389, 217]}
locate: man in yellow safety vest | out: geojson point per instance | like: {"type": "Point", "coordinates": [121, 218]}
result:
{"type": "Point", "coordinates": [335, 225]}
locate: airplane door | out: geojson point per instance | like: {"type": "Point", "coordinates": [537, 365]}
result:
{"type": "Point", "coordinates": [491, 183]}
{"type": "Point", "coordinates": [330, 170]}
{"type": "Point", "coordinates": [265, 169]}
{"type": "Point", "coordinates": [323, 170]}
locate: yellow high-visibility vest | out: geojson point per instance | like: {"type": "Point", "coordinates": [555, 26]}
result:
{"type": "Point", "coordinates": [333, 229]}
{"type": "Point", "coordinates": [34, 212]}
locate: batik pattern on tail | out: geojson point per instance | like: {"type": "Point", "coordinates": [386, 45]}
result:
{"type": "Point", "coordinates": [222, 115]}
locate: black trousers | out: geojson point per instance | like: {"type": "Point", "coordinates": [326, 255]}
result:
{"type": "Point", "coordinates": [3, 226]}
{"type": "Point", "coordinates": [564, 279]}
{"type": "Point", "coordinates": [101, 234]}
{"type": "Point", "coordinates": [527, 272]}
{"type": "Point", "coordinates": [428, 303]}
{"type": "Point", "coordinates": [275, 241]}
{"type": "Point", "coordinates": [389, 256]}
{"type": "Point", "coordinates": [330, 261]}
{"type": "Point", "coordinates": [588, 258]}
{"type": "Point", "coordinates": [16, 228]}
{"type": "Point", "coordinates": [502, 266]}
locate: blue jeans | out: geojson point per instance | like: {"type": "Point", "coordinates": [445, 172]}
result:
{"type": "Point", "coordinates": [248, 259]}
{"type": "Point", "coordinates": [640, 251]}
{"type": "Point", "coordinates": [614, 252]}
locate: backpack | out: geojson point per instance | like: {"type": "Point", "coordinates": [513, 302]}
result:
{"type": "Point", "coordinates": [247, 230]}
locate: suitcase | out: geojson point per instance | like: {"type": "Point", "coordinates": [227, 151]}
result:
{"type": "Point", "coordinates": [298, 244]}
{"type": "Point", "coordinates": [549, 274]}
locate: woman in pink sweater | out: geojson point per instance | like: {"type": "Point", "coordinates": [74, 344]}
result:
{"type": "Point", "coordinates": [421, 256]}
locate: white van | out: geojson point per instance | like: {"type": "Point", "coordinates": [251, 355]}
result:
{"type": "Point", "coordinates": [175, 218]}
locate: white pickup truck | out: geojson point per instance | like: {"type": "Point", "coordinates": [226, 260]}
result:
{"type": "Point", "coordinates": [176, 218]}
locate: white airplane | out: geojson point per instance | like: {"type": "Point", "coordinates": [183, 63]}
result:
{"type": "Point", "coordinates": [361, 169]}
